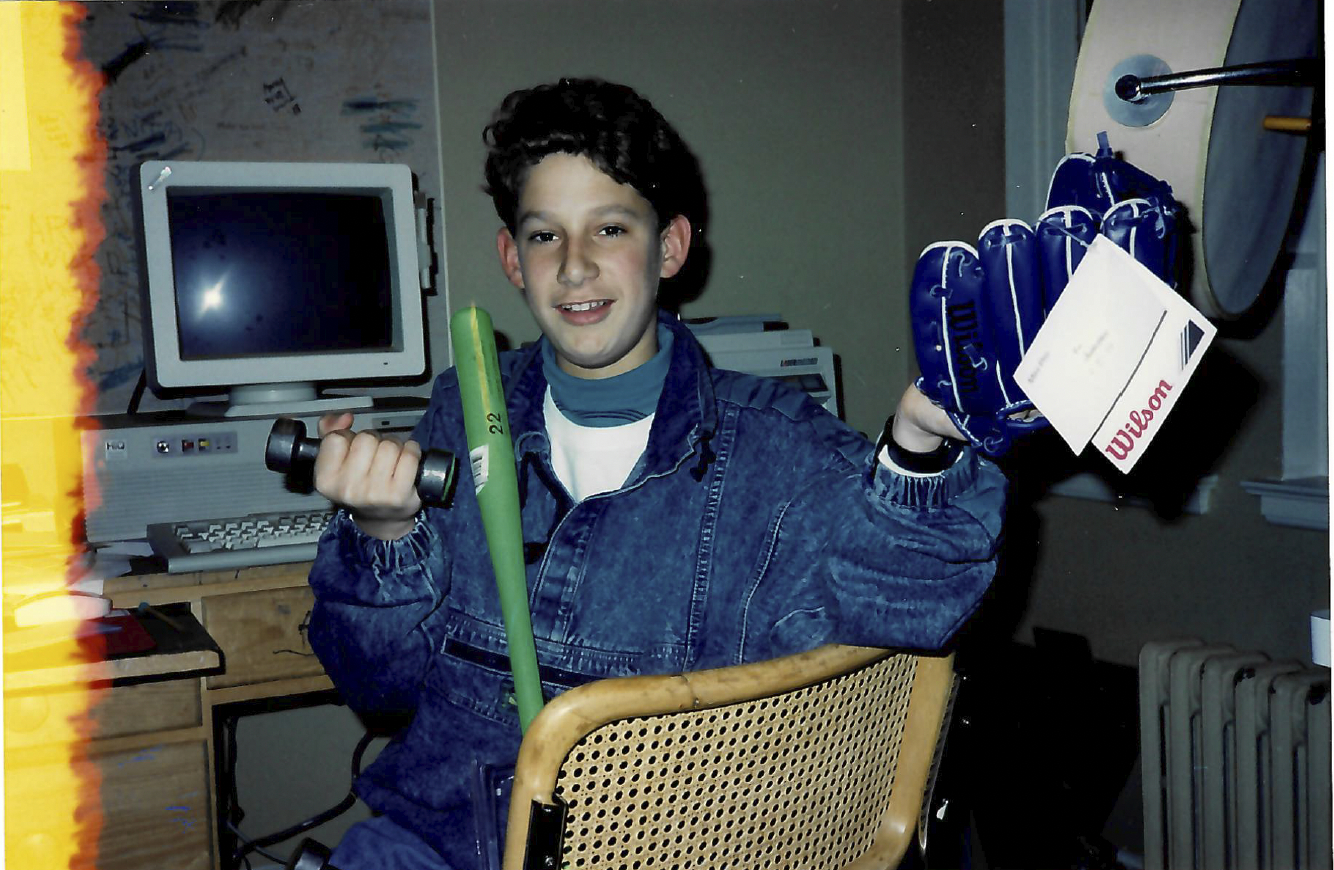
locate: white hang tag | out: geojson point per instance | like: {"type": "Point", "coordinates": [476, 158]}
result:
{"type": "Point", "coordinates": [1113, 356]}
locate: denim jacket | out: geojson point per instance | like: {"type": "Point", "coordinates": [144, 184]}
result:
{"type": "Point", "coordinates": [755, 524]}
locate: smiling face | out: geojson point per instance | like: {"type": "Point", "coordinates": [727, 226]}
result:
{"type": "Point", "coordinates": [588, 255]}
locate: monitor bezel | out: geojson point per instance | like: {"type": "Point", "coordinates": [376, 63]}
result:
{"type": "Point", "coordinates": [406, 358]}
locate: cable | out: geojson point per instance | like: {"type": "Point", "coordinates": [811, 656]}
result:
{"type": "Point", "coordinates": [138, 394]}
{"type": "Point", "coordinates": [252, 845]}
{"type": "Point", "coordinates": [314, 821]}
{"type": "Point", "coordinates": [234, 813]}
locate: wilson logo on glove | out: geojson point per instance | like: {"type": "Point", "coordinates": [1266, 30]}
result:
{"type": "Point", "coordinates": [962, 320]}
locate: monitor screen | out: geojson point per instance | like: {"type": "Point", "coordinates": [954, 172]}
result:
{"type": "Point", "coordinates": [266, 280]}
{"type": "Point", "coordinates": [263, 273]}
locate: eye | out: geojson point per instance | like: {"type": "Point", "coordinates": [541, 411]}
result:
{"type": "Point", "coordinates": [613, 230]}
{"type": "Point", "coordinates": [541, 237]}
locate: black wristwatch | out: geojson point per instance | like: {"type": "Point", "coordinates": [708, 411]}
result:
{"type": "Point", "coordinates": [933, 462]}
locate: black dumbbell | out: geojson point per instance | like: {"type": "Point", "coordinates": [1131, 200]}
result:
{"type": "Point", "coordinates": [289, 449]}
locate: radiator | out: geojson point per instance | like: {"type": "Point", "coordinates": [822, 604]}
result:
{"type": "Point", "coordinates": [1235, 751]}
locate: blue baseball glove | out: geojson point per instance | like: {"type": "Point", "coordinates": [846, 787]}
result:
{"type": "Point", "coordinates": [975, 310]}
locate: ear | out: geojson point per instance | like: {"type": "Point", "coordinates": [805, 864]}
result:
{"type": "Point", "coordinates": [509, 257]}
{"type": "Point", "coordinates": [675, 246]}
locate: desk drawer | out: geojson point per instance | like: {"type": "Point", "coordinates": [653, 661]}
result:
{"type": "Point", "coordinates": [262, 635]}
{"type": "Point", "coordinates": [149, 807]}
{"type": "Point", "coordinates": [38, 717]}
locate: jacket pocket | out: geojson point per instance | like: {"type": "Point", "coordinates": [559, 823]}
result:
{"type": "Point", "coordinates": [480, 680]}
{"type": "Point", "coordinates": [477, 687]}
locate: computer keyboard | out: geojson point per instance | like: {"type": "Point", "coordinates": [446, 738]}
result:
{"type": "Point", "coordinates": [239, 542]}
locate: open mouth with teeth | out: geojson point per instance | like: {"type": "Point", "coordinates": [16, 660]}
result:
{"type": "Point", "coordinates": [585, 306]}
{"type": "Point", "coordinates": [589, 313]}
{"type": "Point", "coordinates": [584, 314]}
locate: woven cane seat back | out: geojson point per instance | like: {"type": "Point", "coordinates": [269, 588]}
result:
{"type": "Point", "coordinates": [799, 777]}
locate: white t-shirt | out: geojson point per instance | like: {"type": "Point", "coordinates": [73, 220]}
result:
{"type": "Point", "coordinates": [593, 459]}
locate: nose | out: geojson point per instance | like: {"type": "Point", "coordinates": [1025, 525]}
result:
{"type": "Point", "coordinates": [577, 266]}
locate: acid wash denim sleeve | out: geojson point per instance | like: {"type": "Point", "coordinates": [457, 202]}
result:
{"type": "Point", "coordinates": [374, 601]}
{"type": "Point", "coordinates": [755, 524]}
{"type": "Point", "coordinates": [372, 618]}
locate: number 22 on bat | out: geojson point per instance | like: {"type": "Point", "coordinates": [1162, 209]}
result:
{"type": "Point", "coordinates": [493, 424]}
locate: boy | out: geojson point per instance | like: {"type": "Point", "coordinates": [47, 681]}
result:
{"type": "Point", "coordinates": [675, 517]}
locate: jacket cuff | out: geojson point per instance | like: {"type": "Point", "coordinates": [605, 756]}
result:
{"type": "Point", "coordinates": [356, 548]}
{"type": "Point", "coordinates": [929, 491]}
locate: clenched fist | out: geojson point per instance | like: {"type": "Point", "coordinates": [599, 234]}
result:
{"type": "Point", "coordinates": [371, 475]}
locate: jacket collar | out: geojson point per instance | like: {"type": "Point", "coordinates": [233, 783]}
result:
{"type": "Point", "coordinates": [686, 418]}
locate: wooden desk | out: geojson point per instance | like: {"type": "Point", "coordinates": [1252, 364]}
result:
{"type": "Point", "coordinates": [150, 724]}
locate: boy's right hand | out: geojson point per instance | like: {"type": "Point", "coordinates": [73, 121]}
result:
{"type": "Point", "coordinates": [372, 476]}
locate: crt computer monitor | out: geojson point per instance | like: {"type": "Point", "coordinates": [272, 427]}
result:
{"type": "Point", "coordinates": [267, 280]}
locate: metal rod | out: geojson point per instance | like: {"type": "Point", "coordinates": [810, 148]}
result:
{"type": "Point", "coordinates": [1301, 71]}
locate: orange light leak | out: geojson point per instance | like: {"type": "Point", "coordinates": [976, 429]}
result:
{"type": "Point", "coordinates": [51, 189]}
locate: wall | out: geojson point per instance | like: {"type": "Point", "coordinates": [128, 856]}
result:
{"type": "Point", "coordinates": [793, 109]}
{"type": "Point", "coordinates": [1124, 576]}
{"type": "Point", "coordinates": [290, 81]}
{"type": "Point", "coordinates": [953, 120]}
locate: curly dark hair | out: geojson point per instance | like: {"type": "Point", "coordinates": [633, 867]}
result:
{"type": "Point", "coordinates": [610, 124]}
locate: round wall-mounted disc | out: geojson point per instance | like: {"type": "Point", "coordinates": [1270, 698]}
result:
{"type": "Point", "coordinates": [1236, 180]}
{"type": "Point", "coordinates": [1251, 175]}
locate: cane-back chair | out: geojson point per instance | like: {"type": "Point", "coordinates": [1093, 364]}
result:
{"type": "Point", "coordinates": [817, 761]}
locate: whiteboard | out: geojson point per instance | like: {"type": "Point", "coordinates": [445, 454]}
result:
{"type": "Point", "coordinates": [291, 80]}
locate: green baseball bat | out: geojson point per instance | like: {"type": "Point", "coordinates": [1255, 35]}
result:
{"type": "Point", "coordinates": [492, 454]}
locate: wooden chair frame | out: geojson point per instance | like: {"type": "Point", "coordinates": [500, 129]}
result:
{"type": "Point", "coordinates": [536, 817]}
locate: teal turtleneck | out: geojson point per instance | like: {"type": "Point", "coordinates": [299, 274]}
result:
{"type": "Point", "coordinates": [613, 401]}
